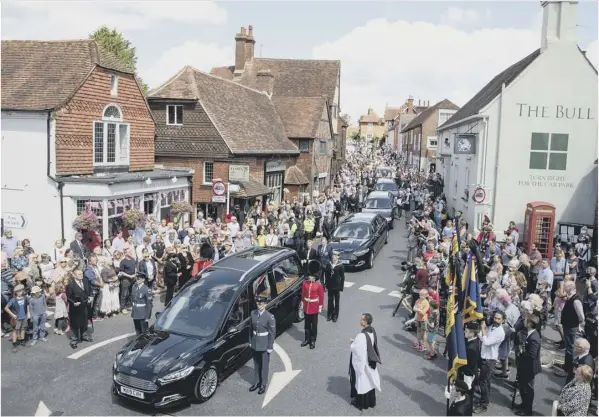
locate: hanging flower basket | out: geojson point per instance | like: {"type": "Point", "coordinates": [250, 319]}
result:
{"type": "Point", "coordinates": [134, 218]}
{"type": "Point", "coordinates": [86, 221]}
{"type": "Point", "coordinates": [178, 208]}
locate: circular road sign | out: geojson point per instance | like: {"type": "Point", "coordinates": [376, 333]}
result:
{"type": "Point", "coordinates": [479, 195]}
{"type": "Point", "coordinates": [218, 188]}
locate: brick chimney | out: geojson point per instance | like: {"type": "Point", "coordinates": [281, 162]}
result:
{"type": "Point", "coordinates": [265, 81]}
{"type": "Point", "coordinates": [559, 23]}
{"type": "Point", "coordinates": [240, 50]}
{"type": "Point", "coordinates": [249, 44]}
{"type": "Point", "coordinates": [410, 104]}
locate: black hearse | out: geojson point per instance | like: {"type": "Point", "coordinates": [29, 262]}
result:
{"type": "Point", "coordinates": [202, 336]}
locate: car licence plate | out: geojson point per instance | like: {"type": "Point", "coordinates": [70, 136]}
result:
{"type": "Point", "coordinates": [344, 261]}
{"type": "Point", "coordinates": [132, 392]}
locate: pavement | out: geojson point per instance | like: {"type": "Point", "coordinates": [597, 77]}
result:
{"type": "Point", "coordinates": [43, 379]}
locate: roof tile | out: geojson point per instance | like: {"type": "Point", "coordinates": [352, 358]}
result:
{"type": "Point", "coordinates": [295, 176]}
{"type": "Point", "coordinates": [422, 117]}
{"type": "Point", "coordinates": [300, 115]}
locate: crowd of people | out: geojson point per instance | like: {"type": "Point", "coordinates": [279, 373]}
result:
{"type": "Point", "coordinates": [522, 293]}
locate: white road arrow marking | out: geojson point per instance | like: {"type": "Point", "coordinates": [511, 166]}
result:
{"type": "Point", "coordinates": [42, 410]}
{"type": "Point", "coordinates": [95, 346]}
{"type": "Point", "coordinates": [280, 379]}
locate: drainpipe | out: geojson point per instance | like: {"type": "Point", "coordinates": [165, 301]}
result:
{"type": "Point", "coordinates": [59, 184]}
{"type": "Point", "coordinates": [497, 148]}
{"type": "Point", "coordinates": [194, 212]}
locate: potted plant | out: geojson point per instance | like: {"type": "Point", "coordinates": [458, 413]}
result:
{"type": "Point", "coordinates": [134, 218]}
{"type": "Point", "coordinates": [178, 208]}
{"type": "Point", "coordinates": [86, 221]}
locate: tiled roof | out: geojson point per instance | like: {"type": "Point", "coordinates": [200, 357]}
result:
{"type": "Point", "coordinates": [42, 75]}
{"type": "Point", "coordinates": [293, 77]}
{"type": "Point", "coordinates": [492, 89]}
{"type": "Point", "coordinates": [295, 176]}
{"type": "Point", "coordinates": [215, 147]}
{"type": "Point", "coordinates": [246, 118]}
{"type": "Point", "coordinates": [300, 115]}
{"type": "Point", "coordinates": [251, 188]}
{"type": "Point", "coordinates": [422, 117]}
{"type": "Point", "coordinates": [371, 117]}
{"type": "Point", "coordinates": [391, 112]}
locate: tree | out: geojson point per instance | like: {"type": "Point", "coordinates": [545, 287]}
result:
{"type": "Point", "coordinates": [114, 42]}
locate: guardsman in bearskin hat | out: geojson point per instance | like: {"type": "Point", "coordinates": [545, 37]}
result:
{"type": "Point", "coordinates": [313, 300]}
{"type": "Point", "coordinates": [205, 259]}
{"type": "Point", "coordinates": [335, 283]}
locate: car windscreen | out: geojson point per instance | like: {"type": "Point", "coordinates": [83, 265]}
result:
{"type": "Point", "coordinates": [386, 186]}
{"type": "Point", "coordinates": [352, 231]}
{"type": "Point", "coordinates": [192, 313]}
{"type": "Point", "coordinates": [377, 203]}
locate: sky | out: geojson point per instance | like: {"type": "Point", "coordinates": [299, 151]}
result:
{"type": "Point", "coordinates": [388, 50]}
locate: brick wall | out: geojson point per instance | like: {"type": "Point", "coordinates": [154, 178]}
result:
{"type": "Point", "coordinates": [429, 128]}
{"type": "Point", "coordinates": [75, 129]}
{"type": "Point", "coordinates": [305, 160]}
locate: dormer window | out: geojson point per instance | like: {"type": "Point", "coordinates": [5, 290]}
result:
{"type": "Point", "coordinates": [111, 138]}
{"type": "Point", "coordinates": [174, 115]}
{"type": "Point", "coordinates": [114, 85]}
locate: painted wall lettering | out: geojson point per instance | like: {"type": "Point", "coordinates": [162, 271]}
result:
{"type": "Point", "coordinates": [545, 181]}
{"type": "Point", "coordinates": [558, 112]}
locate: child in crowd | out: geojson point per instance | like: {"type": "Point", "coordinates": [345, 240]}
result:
{"type": "Point", "coordinates": [37, 309]}
{"type": "Point", "coordinates": [61, 312]}
{"type": "Point", "coordinates": [18, 309]}
{"type": "Point", "coordinates": [421, 308]}
{"type": "Point", "coordinates": [432, 329]}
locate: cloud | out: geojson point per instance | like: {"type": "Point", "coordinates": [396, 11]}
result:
{"type": "Point", "coordinates": [202, 56]}
{"type": "Point", "coordinates": [456, 16]}
{"type": "Point", "coordinates": [76, 19]}
{"type": "Point", "coordinates": [427, 61]}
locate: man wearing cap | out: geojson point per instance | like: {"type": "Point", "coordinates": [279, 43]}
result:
{"type": "Point", "coordinates": [313, 301]}
{"type": "Point", "coordinates": [460, 399]}
{"type": "Point", "coordinates": [142, 302]}
{"type": "Point", "coordinates": [335, 283]}
{"type": "Point", "coordinates": [469, 372]}
{"type": "Point", "coordinates": [262, 339]}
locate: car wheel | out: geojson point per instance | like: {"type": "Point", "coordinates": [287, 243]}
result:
{"type": "Point", "coordinates": [370, 263]}
{"type": "Point", "coordinates": [206, 384]}
{"type": "Point", "coordinates": [299, 313]}
{"type": "Point", "coordinates": [387, 237]}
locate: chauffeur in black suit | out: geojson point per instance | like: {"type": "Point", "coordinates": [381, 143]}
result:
{"type": "Point", "coordinates": [335, 282]}
{"type": "Point", "coordinates": [325, 256]}
{"type": "Point", "coordinates": [262, 339]}
{"type": "Point", "coordinates": [308, 254]}
{"type": "Point", "coordinates": [529, 365]}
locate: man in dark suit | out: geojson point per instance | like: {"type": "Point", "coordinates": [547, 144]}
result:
{"type": "Point", "coordinates": [78, 296]}
{"type": "Point", "coordinates": [262, 339]}
{"type": "Point", "coordinates": [529, 365]}
{"type": "Point", "coordinates": [308, 254]}
{"type": "Point", "coordinates": [469, 372]}
{"type": "Point", "coordinates": [582, 356]}
{"type": "Point", "coordinates": [325, 256]}
{"type": "Point", "coordinates": [146, 268]}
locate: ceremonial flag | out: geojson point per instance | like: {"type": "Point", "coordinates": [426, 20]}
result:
{"type": "Point", "coordinates": [473, 306]}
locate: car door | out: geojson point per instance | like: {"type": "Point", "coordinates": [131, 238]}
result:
{"type": "Point", "coordinates": [285, 276]}
{"type": "Point", "coordinates": [235, 333]}
{"type": "Point", "coordinates": [380, 228]}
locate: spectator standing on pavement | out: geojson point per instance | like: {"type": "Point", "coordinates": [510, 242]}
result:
{"type": "Point", "coordinates": [172, 268]}
{"type": "Point", "coordinates": [582, 356]}
{"type": "Point", "coordinates": [432, 330]}
{"type": "Point", "coordinates": [363, 373]}
{"type": "Point", "coordinates": [529, 366]}
{"type": "Point", "coordinates": [127, 274]}
{"type": "Point", "coordinates": [60, 312]}
{"type": "Point", "coordinates": [37, 309]}
{"type": "Point", "coordinates": [9, 244]}
{"type": "Point", "coordinates": [572, 321]}
{"type": "Point", "coordinates": [141, 310]}
{"type": "Point", "coordinates": [18, 309]}
{"type": "Point", "coordinates": [576, 395]}
{"type": "Point", "coordinates": [490, 341]}
{"type": "Point", "coordinates": [559, 267]}
{"type": "Point", "coordinates": [421, 308]}
{"type": "Point", "coordinates": [94, 278]}
{"type": "Point", "coordinates": [79, 296]}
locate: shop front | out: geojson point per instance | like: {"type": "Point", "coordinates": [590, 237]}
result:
{"type": "Point", "coordinates": [111, 196]}
{"type": "Point", "coordinates": [274, 173]}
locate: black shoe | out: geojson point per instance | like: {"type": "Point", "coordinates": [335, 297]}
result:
{"type": "Point", "coordinates": [305, 343]}
{"type": "Point", "coordinates": [262, 390]}
{"type": "Point", "coordinates": [74, 345]}
{"type": "Point", "coordinates": [329, 318]}
{"type": "Point", "coordinates": [334, 319]}
{"type": "Point", "coordinates": [501, 375]}
{"type": "Point", "coordinates": [254, 387]}
{"type": "Point", "coordinates": [523, 413]}
{"type": "Point", "coordinates": [480, 409]}
{"type": "Point", "coordinates": [312, 345]}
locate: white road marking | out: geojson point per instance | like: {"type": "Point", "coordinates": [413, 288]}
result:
{"type": "Point", "coordinates": [95, 346]}
{"type": "Point", "coordinates": [348, 284]}
{"type": "Point", "coordinates": [279, 380]}
{"type": "Point", "coordinates": [42, 410]}
{"type": "Point", "coordinates": [396, 294]}
{"type": "Point", "coordinates": [372, 288]}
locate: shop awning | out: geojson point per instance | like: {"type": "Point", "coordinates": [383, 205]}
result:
{"type": "Point", "coordinates": [294, 176]}
{"type": "Point", "coordinates": [250, 188]}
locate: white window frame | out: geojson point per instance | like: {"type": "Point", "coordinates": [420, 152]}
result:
{"type": "Point", "coordinates": [548, 151]}
{"type": "Point", "coordinates": [204, 173]}
{"type": "Point", "coordinates": [175, 106]}
{"type": "Point", "coordinates": [430, 141]}
{"type": "Point", "coordinates": [369, 136]}
{"type": "Point", "coordinates": [119, 157]}
{"type": "Point", "coordinates": [114, 85]}
{"type": "Point", "coordinates": [369, 126]}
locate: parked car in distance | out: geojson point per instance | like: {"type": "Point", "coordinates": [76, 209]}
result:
{"type": "Point", "coordinates": [359, 238]}
{"type": "Point", "coordinates": [386, 184]}
{"type": "Point", "coordinates": [202, 336]}
{"type": "Point", "coordinates": [383, 203]}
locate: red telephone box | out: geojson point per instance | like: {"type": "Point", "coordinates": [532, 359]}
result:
{"type": "Point", "coordinates": [539, 221]}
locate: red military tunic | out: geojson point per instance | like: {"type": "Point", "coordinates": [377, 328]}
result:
{"type": "Point", "coordinates": [312, 296]}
